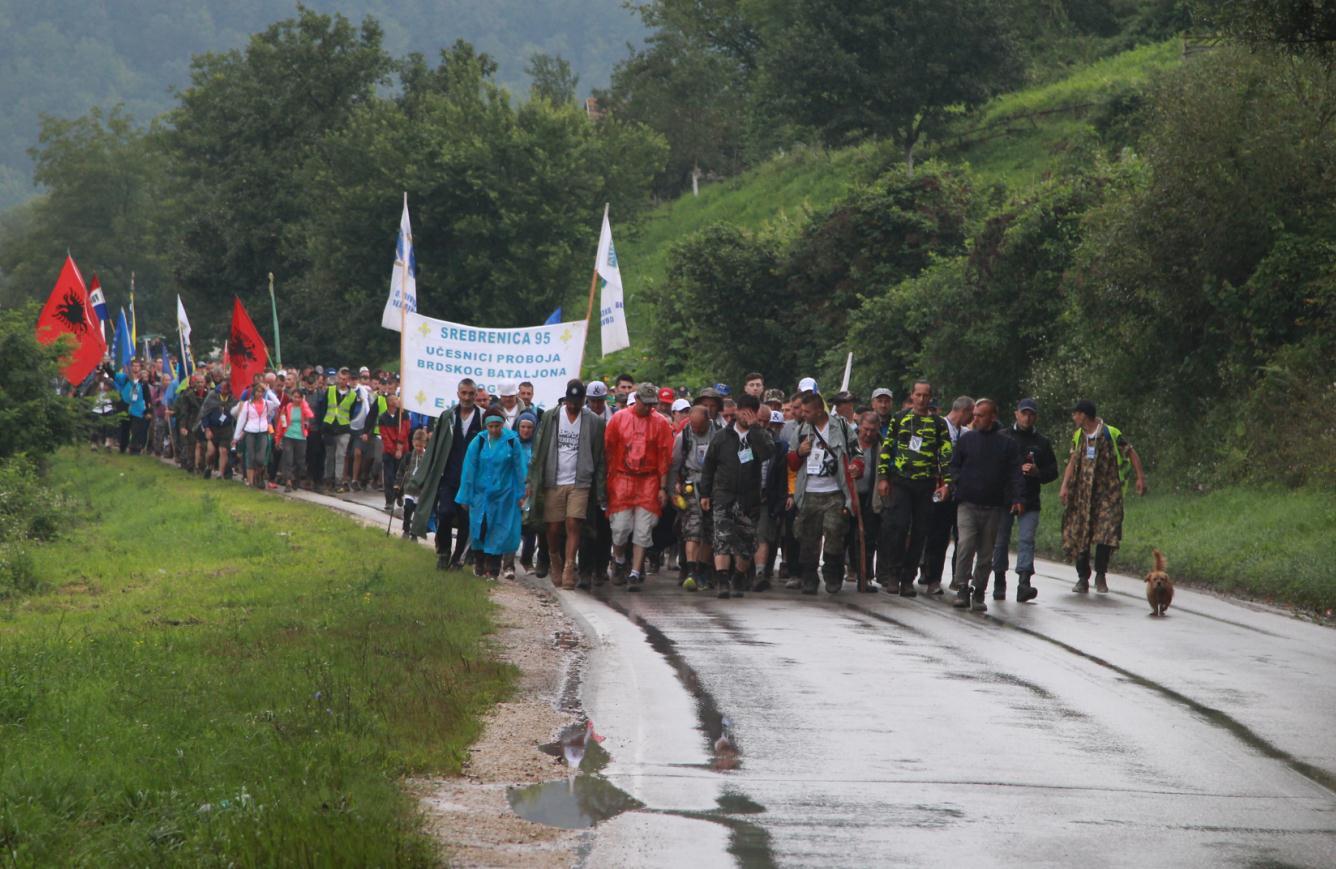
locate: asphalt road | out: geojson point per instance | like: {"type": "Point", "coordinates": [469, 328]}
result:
{"type": "Point", "coordinates": [873, 730]}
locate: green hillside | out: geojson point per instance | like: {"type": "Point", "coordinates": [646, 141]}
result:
{"type": "Point", "coordinates": [1012, 141]}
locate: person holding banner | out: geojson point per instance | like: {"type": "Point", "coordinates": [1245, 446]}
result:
{"type": "Point", "coordinates": [438, 478]}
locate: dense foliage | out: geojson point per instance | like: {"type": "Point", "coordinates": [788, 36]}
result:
{"type": "Point", "coordinates": [293, 156]}
{"type": "Point", "coordinates": [62, 58]}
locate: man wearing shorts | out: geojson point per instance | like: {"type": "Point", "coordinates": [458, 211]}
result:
{"type": "Point", "coordinates": [567, 469]}
{"type": "Point", "coordinates": [731, 491]}
{"type": "Point", "coordinates": [688, 459]}
{"type": "Point", "coordinates": [639, 447]}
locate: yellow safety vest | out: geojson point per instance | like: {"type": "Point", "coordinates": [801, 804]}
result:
{"type": "Point", "coordinates": [339, 411]}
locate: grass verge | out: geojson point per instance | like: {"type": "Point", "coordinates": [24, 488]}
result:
{"type": "Point", "coordinates": [207, 675]}
{"type": "Point", "coordinates": [1270, 544]}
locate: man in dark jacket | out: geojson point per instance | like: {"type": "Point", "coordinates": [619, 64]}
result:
{"type": "Point", "coordinates": [986, 468]}
{"type": "Point", "coordinates": [1039, 465]}
{"type": "Point", "coordinates": [438, 477]}
{"type": "Point", "coordinates": [730, 490]}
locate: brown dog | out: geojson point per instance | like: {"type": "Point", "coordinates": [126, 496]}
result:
{"type": "Point", "coordinates": [1159, 587]}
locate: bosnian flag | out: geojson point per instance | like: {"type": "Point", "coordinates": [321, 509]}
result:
{"type": "Point", "coordinates": [403, 278]}
{"type": "Point", "coordinates": [611, 304]}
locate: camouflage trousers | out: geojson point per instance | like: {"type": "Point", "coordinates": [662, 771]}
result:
{"type": "Point", "coordinates": [735, 531]}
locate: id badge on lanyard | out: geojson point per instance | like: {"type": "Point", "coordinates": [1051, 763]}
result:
{"type": "Point", "coordinates": [1090, 449]}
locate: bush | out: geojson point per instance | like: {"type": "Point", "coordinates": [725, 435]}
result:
{"type": "Point", "coordinates": [30, 511]}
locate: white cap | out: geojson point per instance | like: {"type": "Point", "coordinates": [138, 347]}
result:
{"type": "Point", "coordinates": [363, 370]}
{"type": "Point", "coordinates": [596, 389]}
{"type": "Point", "coordinates": [807, 384]}
{"type": "Point", "coordinates": [776, 418]}
{"type": "Point", "coordinates": [630, 399]}
{"type": "Point", "coordinates": [681, 404]}
{"type": "Point", "coordinates": [510, 387]}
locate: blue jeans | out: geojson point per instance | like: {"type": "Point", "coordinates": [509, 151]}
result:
{"type": "Point", "coordinates": [1029, 522]}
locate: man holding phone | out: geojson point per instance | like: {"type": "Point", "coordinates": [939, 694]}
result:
{"type": "Point", "coordinates": [986, 468]}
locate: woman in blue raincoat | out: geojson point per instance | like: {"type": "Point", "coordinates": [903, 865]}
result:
{"type": "Point", "coordinates": [491, 485]}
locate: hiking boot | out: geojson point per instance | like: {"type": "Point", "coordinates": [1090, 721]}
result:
{"type": "Point", "coordinates": [962, 598]}
{"type": "Point", "coordinates": [508, 573]}
{"type": "Point", "coordinates": [723, 592]}
{"type": "Point", "coordinates": [956, 585]}
{"type": "Point", "coordinates": [689, 584]}
{"type": "Point", "coordinates": [442, 562]}
{"type": "Point", "coordinates": [783, 570]}
{"type": "Point", "coordinates": [541, 568]}
{"type": "Point", "coordinates": [906, 590]}
{"type": "Point", "coordinates": [934, 588]}
{"type": "Point", "coordinates": [479, 564]}
{"type": "Point", "coordinates": [999, 585]}
{"type": "Point", "coordinates": [568, 576]}
{"type": "Point", "coordinates": [761, 584]}
{"type": "Point", "coordinates": [557, 567]}
{"type": "Point", "coordinates": [1025, 591]}
{"type": "Point", "coordinates": [978, 606]}
{"type": "Point", "coordinates": [833, 571]}
{"type": "Point", "coordinates": [739, 584]}
{"type": "Point", "coordinates": [793, 583]}
{"type": "Point", "coordinates": [617, 573]}
{"type": "Point", "coordinates": [1082, 586]}
{"type": "Point", "coordinates": [586, 581]}
{"type": "Point", "coordinates": [811, 584]}
{"type": "Point", "coordinates": [634, 581]}
{"type": "Point", "coordinates": [1101, 584]}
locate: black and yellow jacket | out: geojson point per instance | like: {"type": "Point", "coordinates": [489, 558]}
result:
{"type": "Point", "coordinates": [932, 459]}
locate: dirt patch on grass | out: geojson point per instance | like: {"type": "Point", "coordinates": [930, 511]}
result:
{"type": "Point", "coordinates": [469, 814]}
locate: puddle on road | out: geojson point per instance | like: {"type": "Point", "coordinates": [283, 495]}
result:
{"type": "Point", "coordinates": [573, 804]}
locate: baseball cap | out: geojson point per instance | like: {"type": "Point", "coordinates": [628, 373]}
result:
{"type": "Point", "coordinates": [667, 395]}
{"type": "Point", "coordinates": [331, 372]}
{"type": "Point", "coordinates": [596, 389]}
{"type": "Point", "coordinates": [808, 384]}
{"type": "Point", "coordinates": [776, 418]}
{"type": "Point", "coordinates": [722, 389]}
{"type": "Point", "coordinates": [510, 387]}
{"type": "Point", "coordinates": [842, 397]}
{"type": "Point", "coordinates": [774, 395]}
{"type": "Point", "coordinates": [880, 391]}
{"type": "Point", "coordinates": [576, 389]}
{"type": "Point", "coordinates": [1028, 404]}
{"type": "Point", "coordinates": [647, 392]}
{"type": "Point", "coordinates": [708, 392]}
{"type": "Point", "coordinates": [681, 404]}
{"type": "Point", "coordinates": [1085, 406]}
{"type": "Point", "coordinates": [363, 370]}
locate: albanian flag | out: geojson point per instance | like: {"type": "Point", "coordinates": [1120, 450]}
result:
{"type": "Point", "coordinates": [69, 312]}
{"type": "Point", "coordinates": [246, 351]}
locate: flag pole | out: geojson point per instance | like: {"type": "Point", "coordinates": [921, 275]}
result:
{"type": "Point", "coordinates": [403, 317]}
{"type": "Point", "coordinates": [134, 321]}
{"type": "Point", "coordinates": [593, 288]}
{"type": "Point", "coordinates": [278, 345]}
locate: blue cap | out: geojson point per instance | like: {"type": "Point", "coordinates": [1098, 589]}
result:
{"type": "Point", "coordinates": [1028, 404]}
{"type": "Point", "coordinates": [331, 372]}
{"type": "Point", "coordinates": [722, 389]}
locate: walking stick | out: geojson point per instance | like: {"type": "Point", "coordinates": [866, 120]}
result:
{"type": "Point", "coordinates": [858, 514]}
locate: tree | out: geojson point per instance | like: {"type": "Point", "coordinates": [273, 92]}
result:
{"type": "Point", "coordinates": [851, 69]}
{"type": "Point", "coordinates": [551, 78]}
{"type": "Point", "coordinates": [240, 135]}
{"type": "Point", "coordinates": [1302, 26]}
{"type": "Point", "coordinates": [34, 419]}
{"type": "Point", "coordinates": [105, 202]}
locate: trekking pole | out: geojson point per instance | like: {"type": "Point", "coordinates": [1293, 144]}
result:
{"type": "Point", "coordinates": [858, 515]}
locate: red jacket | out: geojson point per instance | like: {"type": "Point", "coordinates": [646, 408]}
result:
{"type": "Point", "coordinates": [285, 412]}
{"type": "Point", "coordinates": [394, 438]}
{"type": "Point", "coordinates": [638, 450]}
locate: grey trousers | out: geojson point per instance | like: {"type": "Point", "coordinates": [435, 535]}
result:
{"type": "Point", "coordinates": [336, 449]}
{"type": "Point", "coordinates": [976, 528]}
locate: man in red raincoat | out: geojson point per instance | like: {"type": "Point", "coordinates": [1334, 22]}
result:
{"type": "Point", "coordinates": [638, 450]}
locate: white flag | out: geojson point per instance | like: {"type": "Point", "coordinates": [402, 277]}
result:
{"type": "Point", "coordinates": [611, 305]}
{"type": "Point", "coordinates": [403, 278]}
{"type": "Point", "coordinates": [183, 330]}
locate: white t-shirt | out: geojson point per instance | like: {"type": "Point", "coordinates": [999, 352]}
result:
{"type": "Point", "coordinates": [568, 447]}
{"type": "Point", "coordinates": [820, 469]}
{"type": "Point", "coordinates": [466, 420]}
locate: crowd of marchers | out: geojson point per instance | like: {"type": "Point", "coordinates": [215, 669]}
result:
{"type": "Point", "coordinates": [723, 492]}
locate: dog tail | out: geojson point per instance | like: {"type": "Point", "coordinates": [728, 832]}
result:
{"type": "Point", "coordinates": [1159, 560]}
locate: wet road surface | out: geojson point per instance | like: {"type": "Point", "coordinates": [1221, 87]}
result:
{"type": "Point", "coordinates": [875, 730]}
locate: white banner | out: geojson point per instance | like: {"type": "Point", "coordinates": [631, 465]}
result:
{"type": "Point", "coordinates": [438, 354]}
{"type": "Point", "coordinates": [612, 304]}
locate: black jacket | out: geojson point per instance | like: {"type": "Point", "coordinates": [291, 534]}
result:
{"type": "Point", "coordinates": [986, 467]}
{"type": "Point", "coordinates": [1046, 462]}
{"type": "Point", "coordinates": [727, 480]}
{"type": "Point", "coordinates": [777, 480]}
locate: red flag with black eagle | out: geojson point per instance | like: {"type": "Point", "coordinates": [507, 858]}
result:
{"type": "Point", "coordinates": [69, 312]}
{"type": "Point", "coordinates": [246, 350]}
